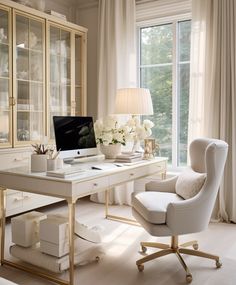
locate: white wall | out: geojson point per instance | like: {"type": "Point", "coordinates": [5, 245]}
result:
{"type": "Point", "coordinates": [64, 7]}
{"type": "Point", "coordinates": [87, 16]}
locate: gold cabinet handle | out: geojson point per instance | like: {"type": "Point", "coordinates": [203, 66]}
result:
{"type": "Point", "coordinates": [12, 101]}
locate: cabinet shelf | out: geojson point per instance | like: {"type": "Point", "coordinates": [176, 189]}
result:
{"type": "Point", "coordinates": [26, 49]}
{"type": "Point", "coordinates": [29, 111]}
{"type": "Point", "coordinates": [4, 44]}
{"type": "Point", "coordinates": [4, 77]}
{"type": "Point", "coordinates": [29, 81]}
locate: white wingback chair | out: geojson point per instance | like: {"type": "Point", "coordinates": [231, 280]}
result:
{"type": "Point", "coordinates": [182, 204]}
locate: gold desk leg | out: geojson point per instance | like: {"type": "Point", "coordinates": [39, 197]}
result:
{"type": "Point", "coordinates": [119, 218]}
{"type": "Point", "coordinates": [2, 225]}
{"type": "Point", "coordinates": [71, 209]}
{"type": "Point", "coordinates": [106, 202]}
{"type": "Point", "coordinates": [114, 217]}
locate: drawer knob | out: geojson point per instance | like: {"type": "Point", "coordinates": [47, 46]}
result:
{"type": "Point", "coordinates": [18, 199]}
{"type": "Point", "coordinates": [131, 174]}
{"type": "Point", "coordinates": [95, 184]}
{"type": "Point", "coordinates": [20, 159]}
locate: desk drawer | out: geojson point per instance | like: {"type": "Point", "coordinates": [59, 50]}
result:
{"type": "Point", "coordinates": [91, 186]}
{"type": "Point", "coordinates": [158, 167]}
{"type": "Point", "coordinates": [13, 160]}
{"type": "Point", "coordinates": [129, 175]}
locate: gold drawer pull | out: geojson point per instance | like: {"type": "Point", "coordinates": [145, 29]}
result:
{"type": "Point", "coordinates": [17, 199]}
{"type": "Point", "coordinates": [26, 197]}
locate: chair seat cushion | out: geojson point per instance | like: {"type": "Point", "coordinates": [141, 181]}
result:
{"type": "Point", "coordinates": [189, 183]}
{"type": "Point", "coordinates": [153, 205]}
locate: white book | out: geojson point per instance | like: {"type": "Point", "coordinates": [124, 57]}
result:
{"type": "Point", "coordinates": [56, 14]}
{"type": "Point", "coordinates": [129, 155]}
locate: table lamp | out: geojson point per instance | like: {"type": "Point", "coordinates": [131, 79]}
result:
{"type": "Point", "coordinates": [134, 101]}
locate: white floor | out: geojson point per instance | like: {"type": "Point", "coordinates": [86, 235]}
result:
{"type": "Point", "coordinates": [121, 243]}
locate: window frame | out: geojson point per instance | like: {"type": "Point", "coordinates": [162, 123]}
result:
{"type": "Point", "coordinates": [175, 102]}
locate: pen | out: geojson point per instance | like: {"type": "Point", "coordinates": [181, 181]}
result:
{"type": "Point", "coordinates": [56, 155]}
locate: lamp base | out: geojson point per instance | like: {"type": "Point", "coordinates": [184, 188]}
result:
{"type": "Point", "coordinates": [137, 147]}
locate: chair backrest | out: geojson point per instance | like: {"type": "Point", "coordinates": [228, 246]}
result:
{"type": "Point", "coordinates": [209, 156]}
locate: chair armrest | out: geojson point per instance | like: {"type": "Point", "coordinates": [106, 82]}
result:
{"type": "Point", "coordinates": [189, 216]}
{"type": "Point", "coordinates": [167, 185]}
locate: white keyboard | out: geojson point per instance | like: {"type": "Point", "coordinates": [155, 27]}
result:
{"type": "Point", "coordinates": [66, 172]}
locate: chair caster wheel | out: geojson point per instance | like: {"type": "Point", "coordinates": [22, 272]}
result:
{"type": "Point", "coordinates": [218, 264]}
{"type": "Point", "coordinates": [143, 249]}
{"type": "Point", "coordinates": [189, 278]}
{"type": "Point", "coordinates": [195, 246]}
{"type": "Point", "coordinates": [140, 267]}
{"type": "Point", "coordinates": [97, 259]}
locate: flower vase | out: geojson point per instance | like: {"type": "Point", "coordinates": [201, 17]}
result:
{"type": "Point", "coordinates": [111, 150]}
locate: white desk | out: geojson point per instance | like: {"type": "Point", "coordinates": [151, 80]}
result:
{"type": "Point", "coordinates": [70, 189]}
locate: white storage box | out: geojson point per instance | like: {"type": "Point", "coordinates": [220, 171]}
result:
{"type": "Point", "coordinates": [85, 252]}
{"type": "Point", "coordinates": [54, 238]}
{"type": "Point", "coordinates": [54, 249]}
{"type": "Point", "coordinates": [25, 228]}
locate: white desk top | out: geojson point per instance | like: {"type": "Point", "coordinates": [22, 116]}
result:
{"type": "Point", "coordinates": [83, 184]}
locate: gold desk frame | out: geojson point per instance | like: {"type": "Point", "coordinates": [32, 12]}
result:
{"type": "Point", "coordinates": [71, 211]}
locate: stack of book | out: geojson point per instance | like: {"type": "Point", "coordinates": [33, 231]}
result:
{"type": "Point", "coordinates": [56, 14]}
{"type": "Point", "coordinates": [127, 157]}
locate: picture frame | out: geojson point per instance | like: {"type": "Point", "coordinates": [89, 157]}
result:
{"type": "Point", "coordinates": [149, 148]}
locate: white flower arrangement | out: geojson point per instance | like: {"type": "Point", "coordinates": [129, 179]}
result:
{"type": "Point", "coordinates": [109, 131]}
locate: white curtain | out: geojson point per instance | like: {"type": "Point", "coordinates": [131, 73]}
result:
{"type": "Point", "coordinates": [116, 67]}
{"type": "Point", "coordinates": [212, 107]}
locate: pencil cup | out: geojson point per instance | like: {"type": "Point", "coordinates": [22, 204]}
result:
{"type": "Point", "coordinates": [60, 163]}
{"type": "Point", "coordinates": [51, 164]}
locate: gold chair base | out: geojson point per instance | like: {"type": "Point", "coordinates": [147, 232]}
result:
{"type": "Point", "coordinates": [175, 248]}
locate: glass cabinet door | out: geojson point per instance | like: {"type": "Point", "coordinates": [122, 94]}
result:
{"type": "Point", "coordinates": [29, 48]}
{"type": "Point", "coordinates": [5, 79]}
{"type": "Point", "coordinates": [60, 75]}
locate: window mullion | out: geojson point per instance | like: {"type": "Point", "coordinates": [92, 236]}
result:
{"type": "Point", "coordinates": [174, 100]}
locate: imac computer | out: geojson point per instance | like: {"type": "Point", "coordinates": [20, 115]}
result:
{"type": "Point", "coordinates": [74, 137]}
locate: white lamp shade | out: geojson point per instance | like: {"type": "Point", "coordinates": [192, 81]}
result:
{"type": "Point", "coordinates": [135, 101]}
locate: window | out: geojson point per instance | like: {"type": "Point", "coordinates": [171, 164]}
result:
{"type": "Point", "coordinates": [164, 67]}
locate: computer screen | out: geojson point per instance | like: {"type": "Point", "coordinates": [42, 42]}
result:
{"type": "Point", "coordinates": [74, 136]}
